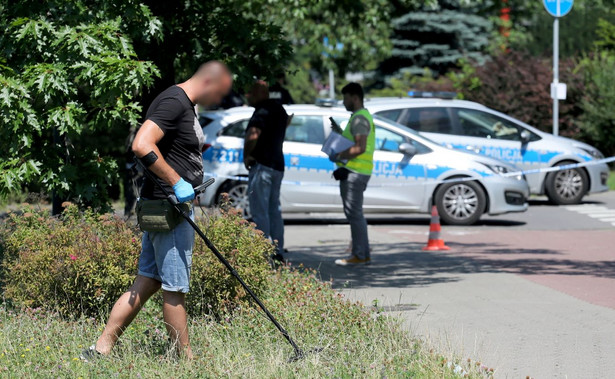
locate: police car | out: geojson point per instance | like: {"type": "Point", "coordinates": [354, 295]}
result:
{"type": "Point", "coordinates": [410, 171]}
{"type": "Point", "coordinates": [473, 127]}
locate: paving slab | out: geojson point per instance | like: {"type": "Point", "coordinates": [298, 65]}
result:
{"type": "Point", "coordinates": [536, 303]}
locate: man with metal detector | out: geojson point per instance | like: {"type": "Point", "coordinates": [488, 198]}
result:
{"type": "Point", "coordinates": [355, 169]}
{"type": "Point", "coordinates": [169, 145]}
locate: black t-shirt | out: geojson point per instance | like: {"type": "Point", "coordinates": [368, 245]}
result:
{"type": "Point", "coordinates": [183, 140]}
{"type": "Point", "coordinates": [271, 118]}
{"type": "Point", "coordinates": [280, 94]}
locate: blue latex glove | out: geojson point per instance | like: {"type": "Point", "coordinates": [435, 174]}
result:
{"type": "Point", "coordinates": [183, 191]}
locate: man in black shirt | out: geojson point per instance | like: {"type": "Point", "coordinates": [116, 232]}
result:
{"type": "Point", "coordinates": [170, 143]}
{"type": "Point", "coordinates": [278, 93]}
{"type": "Point", "coordinates": [264, 158]}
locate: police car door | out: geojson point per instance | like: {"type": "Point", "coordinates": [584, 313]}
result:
{"type": "Point", "coordinates": [489, 134]}
{"type": "Point", "coordinates": [475, 131]}
{"type": "Point", "coordinates": [307, 169]}
{"type": "Point", "coordinates": [397, 182]}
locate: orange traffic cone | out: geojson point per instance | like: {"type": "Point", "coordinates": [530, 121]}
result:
{"type": "Point", "coordinates": [435, 242]}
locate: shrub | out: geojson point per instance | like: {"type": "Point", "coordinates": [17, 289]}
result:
{"type": "Point", "coordinates": [81, 262]}
{"type": "Point", "coordinates": [406, 81]}
{"type": "Point", "coordinates": [212, 288]}
{"type": "Point", "coordinates": [598, 120]}
{"type": "Point", "coordinates": [518, 84]}
{"type": "Point", "coordinates": [78, 263]}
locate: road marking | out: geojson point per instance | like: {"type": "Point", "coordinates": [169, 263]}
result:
{"type": "Point", "coordinates": [589, 209]}
{"type": "Point", "coordinates": [599, 212]}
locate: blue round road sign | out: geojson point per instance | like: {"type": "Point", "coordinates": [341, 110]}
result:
{"type": "Point", "coordinates": [558, 8]}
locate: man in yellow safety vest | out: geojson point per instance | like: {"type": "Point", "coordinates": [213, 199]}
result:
{"type": "Point", "coordinates": [355, 168]}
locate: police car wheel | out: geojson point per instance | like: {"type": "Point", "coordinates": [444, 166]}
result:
{"type": "Point", "coordinates": [238, 196]}
{"type": "Point", "coordinates": [460, 203]}
{"type": "Point", "coordinates": [566, 186]}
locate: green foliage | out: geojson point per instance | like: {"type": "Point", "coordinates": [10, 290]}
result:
{"type": "Point", "coordinates": [400, 85]}
{"type": "Point", "coordinates": [212, 288]}
{"type": "Point", "coordinates": [578, 30]}
{"type": "Point", "coordinates": [300, 85]}
{"type": "Point", "coordinates": [507, 35]}
{"type": "Point", "coordinates": [64, 84]}
{"type": "Point", "coordinates": [597, 121]}
{"type": "Point", "coordinates": [76, 264]}
{"type": "Point", "coordinates": [357, 31]}
{"type": "Point", "coordinates": [362, 26]}
{"type": "Point", "coordinates": [72, 75]}
{"type": "Point", "coordinates": [197, 31]}
{"type": "Point", "coordinates": [80, 263]}
{"type": "Point", "coordinates": [465, 79]}
{"type": "Point", "coordinates": [437, 38]}
{"type": "Point", "coordinates": [357, 341]}
{"type": "Point", "coordinates": [606, 35]}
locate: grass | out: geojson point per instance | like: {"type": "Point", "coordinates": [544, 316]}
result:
{"type": "Point", "coordinates": [611, 182]}
{"type": "Point", "coordinates": [356, 341]}
{"type": "Point", "coordinates": [236, 342]}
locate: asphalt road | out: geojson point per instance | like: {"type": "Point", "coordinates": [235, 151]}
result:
{"type": "Point", "coordinates": [530, 294]}
{"type": "Point", "coordinates": [540, 216]}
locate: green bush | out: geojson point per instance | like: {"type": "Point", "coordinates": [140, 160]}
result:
{"type": "Point", "coordinates": [401, 84]}
{"type": "Point", "coordinates": [598, 119]}
{"type": "Point", "coordinates": [77, 263]}
{"type": "Point", "coordinates": [212, 288]}
{"type": "Point", "coordinates": [80, 263]}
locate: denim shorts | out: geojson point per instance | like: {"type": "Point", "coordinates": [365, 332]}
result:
{"type": "Point", "coordinates": [167, 257]}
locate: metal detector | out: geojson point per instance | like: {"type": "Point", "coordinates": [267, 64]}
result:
{"type": "Point", "coordinates": [299, 354]}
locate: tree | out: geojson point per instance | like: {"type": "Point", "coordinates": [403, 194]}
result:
{"type": "Point", "coordinates": [357, 31]}
{"type": "Point", "coordinates": [197, 31]}
{"type": "Point", "coordinates": [400, 86]}
{"type": "Point", "coordinates": [606, 35]}
{"type": "Point", "coordinates": [437, 38]}
{"type": "Point", "coordinates": [597, 122]}
{"type": "Point", "coordinates": [361, 26]}
{"type": "Point", "coordinates": [75, 73]}
{"type": "Point", "coordinates": [64, 84]}
{"type": "Point", "coordinates": [578, 29]}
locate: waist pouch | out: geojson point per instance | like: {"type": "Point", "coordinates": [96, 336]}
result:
{"type": "Point", "coordinates": [341, 173]}
{"type": "Point", "coordinates": [159, 215]}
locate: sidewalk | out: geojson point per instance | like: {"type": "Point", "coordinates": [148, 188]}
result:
{"type": "Point", "coordinates": [526, 304]}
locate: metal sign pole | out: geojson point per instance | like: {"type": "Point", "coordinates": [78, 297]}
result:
{"type": "Point", "coordinates": [331, 84]}
{"type": "Point", "coordinates": [557, 9]}
{"type": "Point", "coordinates": [326, 53]}
{"type": "Point", "coordinates": [554, 88]}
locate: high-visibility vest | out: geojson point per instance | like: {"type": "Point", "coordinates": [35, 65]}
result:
{"type": "Point", "coordinates": [364, 163]}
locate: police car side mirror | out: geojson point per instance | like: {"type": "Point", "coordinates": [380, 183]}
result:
{"type": "Point", "coordinates": [525, 136]}
{"type": "Point", "coordinates": [407, 149]}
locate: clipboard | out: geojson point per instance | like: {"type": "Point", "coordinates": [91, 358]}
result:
{"type": "Point", "coordinates": [335, 144]}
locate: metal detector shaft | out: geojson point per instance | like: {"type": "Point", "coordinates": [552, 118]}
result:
{"type": "Point", "coordinates": [173, 200]}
